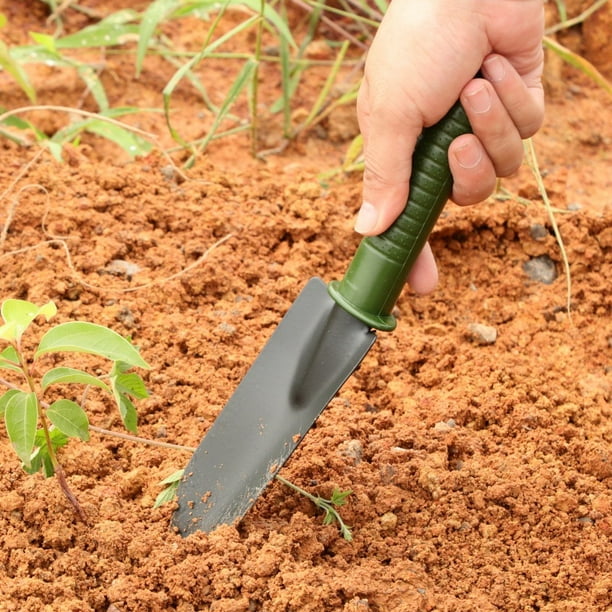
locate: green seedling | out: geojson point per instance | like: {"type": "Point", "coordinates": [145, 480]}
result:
{"type": "Point", "coordinates": [329, 506]}
{"type": "Point", "coordinates": [36, 428]}
{"type": "Point", "coordinates": [170, 485]}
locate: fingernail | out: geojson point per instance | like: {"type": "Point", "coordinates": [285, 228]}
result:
{"type": "Point", "coordinates": [367, 217]}
{"type": "Point", "coordinates": [468, 156]}
{"type": "Point", "coordinates": [494, 68]}
{"type": "Point", "coordinates": [479, 99]}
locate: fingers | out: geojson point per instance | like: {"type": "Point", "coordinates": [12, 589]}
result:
{"type": "Point", "coordinates": [474, 174]}
{"type": "Point", "coordinates": [423, 276]}
{"type": "Point", "coordinates": [522, 96]}
{"type": "Point", "coordinates": [388, 162]}
{"type": "Point", "coordinates": [502, 110]}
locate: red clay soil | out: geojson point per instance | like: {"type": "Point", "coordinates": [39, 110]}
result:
{"type": "Point", "coordinates": [481, 469]}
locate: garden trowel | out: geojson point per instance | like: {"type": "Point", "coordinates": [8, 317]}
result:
{"type": "Point", "coordinates": [318, 344]}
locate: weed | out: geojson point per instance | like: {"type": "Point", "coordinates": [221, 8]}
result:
{"type": "Point", "coordinates": [37, 429]}
{"type": "Point", "coordinates": [329, 506]}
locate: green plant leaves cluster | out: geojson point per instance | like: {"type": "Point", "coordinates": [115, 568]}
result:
{"type": "Point", "coordinates": [37, 429]}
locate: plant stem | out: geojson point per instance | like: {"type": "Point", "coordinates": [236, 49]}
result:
{"type": "Point", "coordinates": [568, 23]}
{"type": "Point", "coordinates": [327, 505]}
{"type": "Point", "coordinates": [131, 438]}
{"type": "Point", "coordinates": [253, 98]}
{"type": "Point", "coordinates": [58, 470]}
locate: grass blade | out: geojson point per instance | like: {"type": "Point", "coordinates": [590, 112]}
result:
{"type": "Point", "coordinates": [532, 161]}
{"type": "Point", "coordinates": [128, 141]}
{"type": "Point", "coordinates": [207, 49]}
{"type": "Point", "coordinates": [14, 68]}
{"type": "Point", "coordinates": [238, 85]}
{"type": "Point", "coordinates": [114, 30]}
{"type": "Point", "coordinates": [156, 12]}
{"type": "Point", "coordinates": [103, 125]}
{"type": "Point", "coordinates": [331, 78]}
{"type": "Point", "coordinates": [579, 62]}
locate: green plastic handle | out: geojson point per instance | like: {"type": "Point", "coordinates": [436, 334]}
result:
{"type": "Point", "coordinates": [380, 267]}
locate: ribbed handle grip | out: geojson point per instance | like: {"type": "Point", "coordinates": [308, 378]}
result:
{"type": "Point", "coordinates": [380, 267]}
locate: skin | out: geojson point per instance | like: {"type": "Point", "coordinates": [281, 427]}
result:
{"type": "Point", "coordinates": [423, 58]}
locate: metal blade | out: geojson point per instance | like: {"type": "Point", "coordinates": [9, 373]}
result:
{"type": "Point", "coordinates": [312, 352]}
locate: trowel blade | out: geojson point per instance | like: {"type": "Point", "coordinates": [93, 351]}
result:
{"type": "Point", "coordinates": [310, 355]}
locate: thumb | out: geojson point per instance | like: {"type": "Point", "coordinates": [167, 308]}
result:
{"type": "Point", "coordinates": [389, 141]}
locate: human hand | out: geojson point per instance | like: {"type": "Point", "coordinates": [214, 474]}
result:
{"type": "Point", "coordinates": [423, 58]}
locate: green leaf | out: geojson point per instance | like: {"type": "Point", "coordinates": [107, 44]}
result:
{"type": "Point", "coordinates": [174, 477]}
{"type": "Point", "coordinates": [21, 417]}
{"type": "Point", "coordinates": [44, 40]}
{"type": "Point", "coordinates": [27, 54]}
{"type": "Point", "coordinates": [171, 483]}
{"type": "Point", "coordinates": [130, 384]}
{"type": "Point", "coordinates": [5, 398]}
{"type": "Point", "coordinates": [354, 151]}
{"type": "Point", "coordinates": [8, 331]}
{"type": "Point", "coordinates": [22, 124]}
{"type": "Point", "coordinates": [273, 17]}
{"type": "Point", "coordinates": [338, 497]}
{"type": "Point", "coordinates": [156, 12]}
{"type": "Point", "coordinates": [9, 360]}
{"type": "Point", "coordinates": [94, 85]}
{"type": "Point", "coordinates": [131, 143]}
{"type": "Point", "coordinates": [127, 412]}
{"type": "Point", "coordinates": [112, 31]}
{"type": "Point", "coordinates": [63, 375]}
{"type": "Point", "coordinates": [41, 458]}
{"type": "Point", "coordinates": [55, 148]}
{"type": "Point", "coordinates": [58, 438]}
{"type": "Point", "coordinates": [14, 68]}
{"type": "Point", "coordinates": [69, 418]}
{"type": "Point", "coordinates": [83, 337]}
{"type": "Point", "coordinates": [18, 314]}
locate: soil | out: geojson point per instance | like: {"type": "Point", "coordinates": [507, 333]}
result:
{"type": "Point", "coordinates": [480, 465]}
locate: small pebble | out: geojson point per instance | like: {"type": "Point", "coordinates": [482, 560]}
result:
{"type": "Point", "coordinates": [541, 269]}
{"type": "Point", "coordinates": [388, 521]}
{"type": "Point", "coordinates": [168, 172]}
{"type": "Point", "coordinates": [120, 267]}
{"type": "Point", "coordinates": [126, 316]}
{"type": "Point", "coordinates": [227, 328]}
{"type": "Point", "coordinates": [538, 231]}
{"type": "Point", "coordinates": [483, 334]}
{"type": "Point", "coordinates": [353, 449]}
{"type": "Point", "coordinates": [445, 426]}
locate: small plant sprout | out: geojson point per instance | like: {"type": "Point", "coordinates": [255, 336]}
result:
{"type": "Point", "coordinates": [36, 428]}
{"type": "Point", "coordinates": [170, 485]}
{"type": "Point", "coordinates": [329, 506]}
